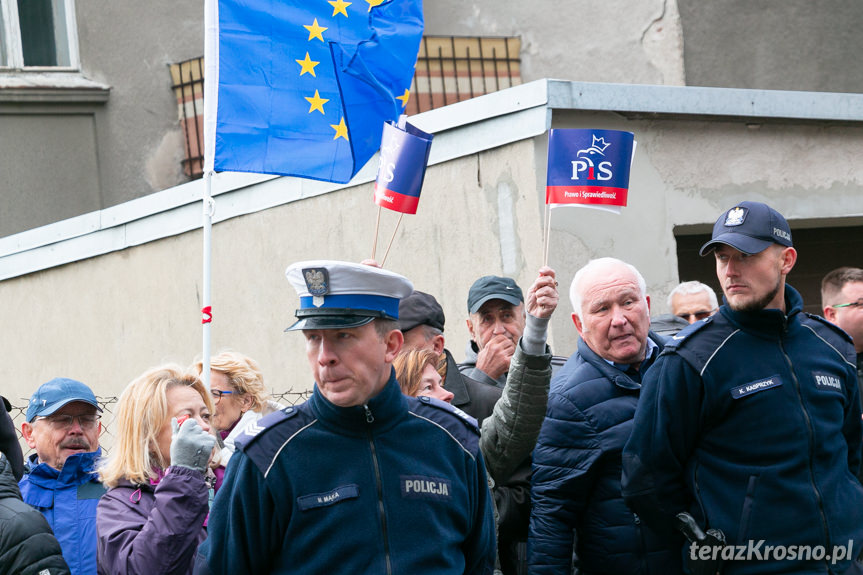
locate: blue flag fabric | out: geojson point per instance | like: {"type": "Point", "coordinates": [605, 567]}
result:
{"type": "Point", "coordinates": [305, 86]}
{"type": "Point", "coordinates": [589, 167]}
{"type": "Point", "coordinates": [404, 157]}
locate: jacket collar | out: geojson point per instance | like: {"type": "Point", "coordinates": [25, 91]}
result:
{"type": "Point", "coordinates": [385, 410]}
{"type": "Point", "coordinates": [78, 468]}
{"type": "Point", "coordinates": [766, 322]}
{"type": "Point", "coordinates": [454, 381]}
{"type": "Point", "coordinates": [614, 374]}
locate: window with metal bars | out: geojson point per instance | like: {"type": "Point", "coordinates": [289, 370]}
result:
{"type": "Point", "coordinates": [449, 69]}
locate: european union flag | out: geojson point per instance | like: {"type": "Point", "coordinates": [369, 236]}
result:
{"type": "Point", "coordinates": [305, 86]}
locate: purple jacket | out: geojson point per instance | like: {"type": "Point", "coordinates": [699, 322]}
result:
{"type": "Point", "coordinates": [153, 530]}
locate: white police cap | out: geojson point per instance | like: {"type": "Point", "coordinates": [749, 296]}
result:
{"type": "Point", "coordinates": [337, 294]}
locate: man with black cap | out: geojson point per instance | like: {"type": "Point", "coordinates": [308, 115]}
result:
{"type": "Point", "coordinates": [496, 322]}
{"type": "Point", "coordinates": [510, 417]}
{"type": "Point", "coordinates": [360, 478]}
{"type": "Point", "coordinates": [421, 321]}
{"type": "Point", "coordinates": [27, 545]}
{"type": "Point", "coordinates": [749, 424]}
{"type": "Point", "coordinates": [61, 480]}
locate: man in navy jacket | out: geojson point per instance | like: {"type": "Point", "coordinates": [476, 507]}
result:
{"type": "Point", "coordinates": [750, 420]}
{"type": "Point", "coordinates": [576, 463]}
{"type": "Point", "coordinates": [359, 479]}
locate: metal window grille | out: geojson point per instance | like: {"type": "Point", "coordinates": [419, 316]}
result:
{"type": "Point", "coordinates": [108, 404]}
{"type": "Point", "coordinates": [452, 68]}
{"type": "Point", "coordinates": [188, 86]}
{"type": "Point", "coordinates": [449, 69]}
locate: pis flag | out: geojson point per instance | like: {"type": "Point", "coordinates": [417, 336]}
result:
{"type": "Point", "coordinates": [404, 156]}
{"type": "Point", "coordinates": [302, 87]}
{"type": "Point", "coordinates": [589, 168]}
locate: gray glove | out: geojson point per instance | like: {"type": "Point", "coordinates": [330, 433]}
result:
{"type": "Point", "coordinates": [191, 445]}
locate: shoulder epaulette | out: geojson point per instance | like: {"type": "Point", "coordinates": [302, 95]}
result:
{"type": "Point", "coordinates": [835, 336]}
{"type": "Point", "coordinates": [698, 343]}
{"type": "Point", "coordinates": [262, 439]}
{"type": "Point", "coordinates": [459, 424]}
{"type": "Point", "coordinates": [675, 341]}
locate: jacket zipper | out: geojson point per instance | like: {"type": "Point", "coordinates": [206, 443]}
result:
{"type": "Point", "coordinates": [818, 497]}
{"type": "Point", "coordinates": [369, 419]}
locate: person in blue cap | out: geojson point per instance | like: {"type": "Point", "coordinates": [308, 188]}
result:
{"type": "Point", "coordinates": [749, 425]}
{"type": "Point", "coordinates": [62, 426]}
{"type": "Point", "coordinates": [360, 478]}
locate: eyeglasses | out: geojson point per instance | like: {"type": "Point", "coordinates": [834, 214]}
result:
{"type": "Point", "coordinates": [218, 393]}
{"type": "Point", "coordinates": [857, 304]}
{"type": "Point", "coordinates": [699, 315]}
{"type": "Point", "coordinates": [88, 421]}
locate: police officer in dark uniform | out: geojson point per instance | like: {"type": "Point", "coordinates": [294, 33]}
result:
{"type": "Point", "coordinates": [750, 421]}
{"type": "Point", "coordinates": [359, 479]}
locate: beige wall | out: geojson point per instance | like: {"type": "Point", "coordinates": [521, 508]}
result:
{"type": "Point", "coordinates": [106, 319]}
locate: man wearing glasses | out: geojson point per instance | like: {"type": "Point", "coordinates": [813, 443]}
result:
{"type": "Point", "coordinates": [693, 301]}
{"type": "Point", "coordinates": [60, 480]}
{"type": "Point", "coordinates": [842, 301]}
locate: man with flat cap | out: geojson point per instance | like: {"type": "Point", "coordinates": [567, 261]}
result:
{"type": "Point", "coordinates": [60, 478]}
{"type": "Point", "coordinates": [360, 478]}
{"type": "Point", "coordinates": [496, 321]}
{"type": "Point", "coordinates": [749, 424]}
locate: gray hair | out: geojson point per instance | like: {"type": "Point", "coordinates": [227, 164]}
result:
{"type": "Point", "coordinates": [575, 288]}
{"type": "Point", "coordinates": [693, 287]}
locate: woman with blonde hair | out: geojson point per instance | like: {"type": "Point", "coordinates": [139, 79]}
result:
{"type": "Point", "coordinates": [152, 518]}
{"type": "Point", "coordinates": [417, 373]}
{"type": "Point", "coordinates": [239, 396]}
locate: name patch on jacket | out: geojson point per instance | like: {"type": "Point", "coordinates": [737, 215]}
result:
{"type": "Point", "coordinates": [756, 386]}
{"type": "Point", "coordinates": [422, 487]}
{"type": "Point", "coordinates": [827, 381]}
{"type": "Point", "coordinates": [337, 495]}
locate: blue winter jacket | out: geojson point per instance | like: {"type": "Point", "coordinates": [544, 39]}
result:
{"type": "Point", "coordinates": [751, 422]}
{"type": "Point", "coordinates": [68, 499]}
{"type": "Point", "coordinates": [576, 477]}
{"type": "Point", "coordinates": [396, 486]}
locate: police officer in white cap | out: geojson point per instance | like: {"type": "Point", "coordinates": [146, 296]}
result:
{"type": "Point", "coordinates": [360, 478]}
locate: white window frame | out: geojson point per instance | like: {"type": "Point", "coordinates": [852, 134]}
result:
{"type": "Point", "coordinates": [12, 35]}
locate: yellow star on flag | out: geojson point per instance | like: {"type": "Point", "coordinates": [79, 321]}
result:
{"type": "Point", "coordinates": [339, 6]}
{"type": "Point", "coordinates": [315, 31]}
{"type": "Point", "coordinates": [317, 103]}
{"type": "Point", "coordinates": [307, 65]}
{"type": "Point", "coordinates": [404, 97]}
{"type": "Point", "coordinates": [341, 130]}
{"type": "Point", "coordinates": [373, 3]}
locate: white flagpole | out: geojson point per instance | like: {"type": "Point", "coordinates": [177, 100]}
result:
{"type": "Point", "coordinates": [206, 310]}
{"type": "Point", "coordinates": [211, 94]}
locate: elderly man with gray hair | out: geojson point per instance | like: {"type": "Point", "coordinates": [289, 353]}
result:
{"type": "Point", "coordinates": [693, 301]}
{"type": "Point", "coordinates": [577, 460]}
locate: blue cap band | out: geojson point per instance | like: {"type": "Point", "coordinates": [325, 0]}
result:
{"type": "Point", "coordinates": [384, 304]}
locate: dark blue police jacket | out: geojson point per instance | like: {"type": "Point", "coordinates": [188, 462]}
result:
{"type": "Point", "coordinates": [751, 422]}
{"type": "Point", "coordinates": [396, 486]}
{"type": "Point", "coordinates": [576, 477]}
